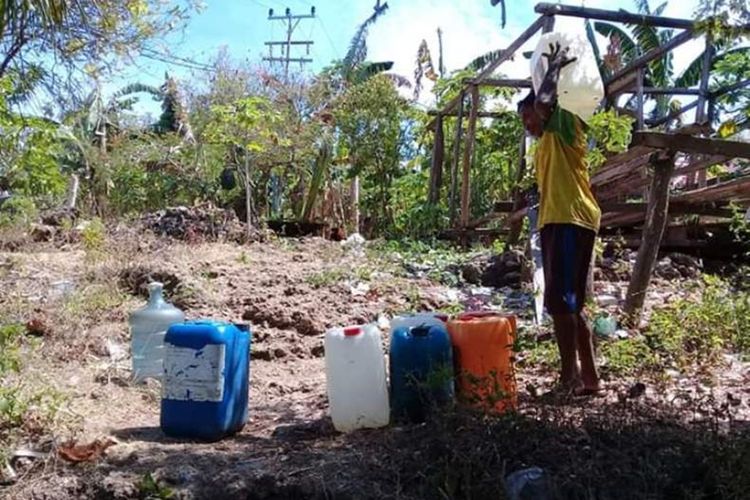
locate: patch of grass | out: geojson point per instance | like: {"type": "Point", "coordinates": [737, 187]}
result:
{"type": "Point", "coordinates": [11, 337]}
{"type": "Point", "coordinates": [93, 239]}
{"type": "Point", "coordinates": [627, 357]}
{"type": "Point", "coordinates": [23, 410]}
{"type": "Point", "coordinates": [93, 301]}
{"type": "Point", "coordinates": [326, 277]}
{"type": "Point", "coordinates": [244, 258]}
{"type": "Point", "coordinates": [695, 332]}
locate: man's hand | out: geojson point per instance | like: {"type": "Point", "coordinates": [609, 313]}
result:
{"type": "Point", "coordinates": [558, 57]}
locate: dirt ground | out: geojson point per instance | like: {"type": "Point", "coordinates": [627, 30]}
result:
{"type": "Point", "coordinates": [291, 291]}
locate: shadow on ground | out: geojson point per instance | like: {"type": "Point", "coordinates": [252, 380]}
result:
{"type": "Point", "coordinates": [620, 450]}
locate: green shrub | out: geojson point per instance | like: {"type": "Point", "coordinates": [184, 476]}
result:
{"type": "Point", "coordinates": [17, 211]}
{"type": "Point", "coordinates": [690, 332]}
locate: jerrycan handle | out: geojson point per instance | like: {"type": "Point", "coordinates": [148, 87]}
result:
{"type": "Point", "coordinates": [420, 331]}
{"type": "Point", "coordinates": [468, 316]}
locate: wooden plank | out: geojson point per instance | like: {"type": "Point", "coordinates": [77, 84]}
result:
{"type": "Point", "coordinates": [612, 16]}
{"type": "Point", "coordinates": [438, 157]}
{"type": "Point", "coordinates": [454, 160]}
{"type": "Point", "coordinates": [499, 82]}
{"type": "Point", "coordinates": [468, 156]}
{"type": "Point", "coordinates": [619, 164]}
{"type": "Point", "coordinates": [722, 191]}
{"type": "Point", "coordinates": [481, 114]}
{"type": "Point", "coordinates": [504, 56]}
{"type": "Point", "coordinates": [667, 91]}
{"type": "Point", "coordinates": [656, 222]}
{"type": "Point", "coordinates": [730, 89]}
{"type": "Point", "coordinates": [673, 115]}
{"type": "Point", "coordinates": [649, 56]}
{"type": "Point", "coordinates": [689, 144]}
{"type": "Point", "coordinates": [634, 183]}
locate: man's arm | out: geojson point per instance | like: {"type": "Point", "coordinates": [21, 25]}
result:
{"type": "Point", "coordinates": [546, 99]}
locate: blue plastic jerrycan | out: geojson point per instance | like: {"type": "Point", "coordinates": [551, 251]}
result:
{"type": "Point", "coordinates": [206, 379]}
{"type": "Point", "coordinates": [421, 364]}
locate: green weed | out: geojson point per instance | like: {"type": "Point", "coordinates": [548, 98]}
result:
{"type": "Point", "coordinates": [11, 337]}
{"type": "Point", "coordinates": [325, 278]}
{"type": "Point", "coordinates": [150, 489]}
{"type": "Point", "coordinates": [695, 332]}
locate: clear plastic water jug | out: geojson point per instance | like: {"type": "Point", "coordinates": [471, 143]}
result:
{"type": "Point", "coordinates": [580, 89]}
{"type": "Point", "coordinates": [148, 326]}
{"type": "Point", "coordinates": [355, 376]}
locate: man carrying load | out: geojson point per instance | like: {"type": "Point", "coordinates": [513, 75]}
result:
{"type": "Point", "coordinates": [568, 220]}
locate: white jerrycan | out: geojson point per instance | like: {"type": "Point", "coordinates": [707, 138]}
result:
{"type": "Point", "coordinates": [355, 375]}
{"type": "Point", "coordinates": [580, 88]}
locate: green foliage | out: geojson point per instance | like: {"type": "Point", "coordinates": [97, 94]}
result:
{"type": "Point", "coordinates": [612, 134]}
{"type": "Point", "coordinates": [694, 332]}
{"type": "Point", "coordinates": [151, 489]}
{"type": "Point", "coordinates": [326, 278]}
{"type": "Point", "coordinates": [18, 211]}
{"type": "Point", "coordinates": [11, 336]}
{"type": "Point", "coordinates": [28, 152]}
{"type": "Point", "coordinates": [93, 236]}
{"type": "Point", "coordinates": [627, 357]}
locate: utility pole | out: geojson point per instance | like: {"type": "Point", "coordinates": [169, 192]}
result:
{"type": "Point", "coordinates": [291, 21]}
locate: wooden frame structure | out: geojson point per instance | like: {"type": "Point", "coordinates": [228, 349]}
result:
{"type": "Point", "coordinates": [646, 170]}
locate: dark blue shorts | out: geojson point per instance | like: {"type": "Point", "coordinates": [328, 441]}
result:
{"type": "Point", "coordinates": [566, 252]}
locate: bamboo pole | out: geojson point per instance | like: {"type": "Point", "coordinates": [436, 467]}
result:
{"type": "Point", "coordinates": [468, 156]}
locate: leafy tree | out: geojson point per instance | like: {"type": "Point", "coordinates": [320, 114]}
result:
{"type": "Point", "coordinates": [370, 117]}
{"type": "Point", "coordinates": [29, 149]}
{"type": "Point", "coordinates": [246, 126]}
{"type": "Point", "coordinates": [52, 41]}
{"type": "Point", "coordinates": [627, 45]}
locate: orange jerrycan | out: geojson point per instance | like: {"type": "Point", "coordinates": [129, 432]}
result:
{"type": "Point", "coordinates": [483, 354]}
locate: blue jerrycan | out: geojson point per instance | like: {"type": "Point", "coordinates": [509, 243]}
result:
{"type": "Point", "coordinates": [206, 380]}
{"type": "Point", "coordinates": [421, 363]}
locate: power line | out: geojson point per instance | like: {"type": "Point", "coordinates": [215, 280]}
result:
{"type": "Point", "coordinates": [330, 40]}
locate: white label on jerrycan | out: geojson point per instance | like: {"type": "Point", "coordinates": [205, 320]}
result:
{"type": "Point", "coordinates": [194, 374]}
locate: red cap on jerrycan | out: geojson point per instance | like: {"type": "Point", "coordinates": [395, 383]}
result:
{"type": "Point", "coordinates": [352, 331]}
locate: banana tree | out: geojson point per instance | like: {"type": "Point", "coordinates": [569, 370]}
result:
{"type": "Point", "coordinates": [353, 70]}
{"type": "Point", "coordinates": [626, 44]}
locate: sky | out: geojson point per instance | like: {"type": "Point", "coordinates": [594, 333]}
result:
{"type": "Point", "coordinates": [470, 28]}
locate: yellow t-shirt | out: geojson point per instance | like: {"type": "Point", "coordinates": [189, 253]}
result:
{"type": "Point", "coordinates": [562, 174]}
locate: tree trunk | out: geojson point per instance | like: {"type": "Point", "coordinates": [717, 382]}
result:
{"type": "Point", "coordinates": [653, 230]}
{"type": "Point", "coordinates": [438, 157]}
{"type": "Point", "coordinates": [248, 201]}
{"type": "Point", "coordinates": [354, 196]}
{"type": "Point", "coordinates": [72, 192]}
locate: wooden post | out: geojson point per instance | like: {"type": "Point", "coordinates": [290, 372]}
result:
{"type": "Point", "coordinates": [704, 101]}
{"type": "Point", "coordinates": [639, 95]}
{"type": "Point", "coordinates": [468, 156]}
{"type": "Point", "coordinates": [517, 226]}
{"type": "Point", "coordinates": [549, 24]}
{"type": "Point", "coordinates": [653, 230]}
{"type": "Point", "coordinates": [456, 155]}
{"type": "Point", "coordinates": [438, 157]}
